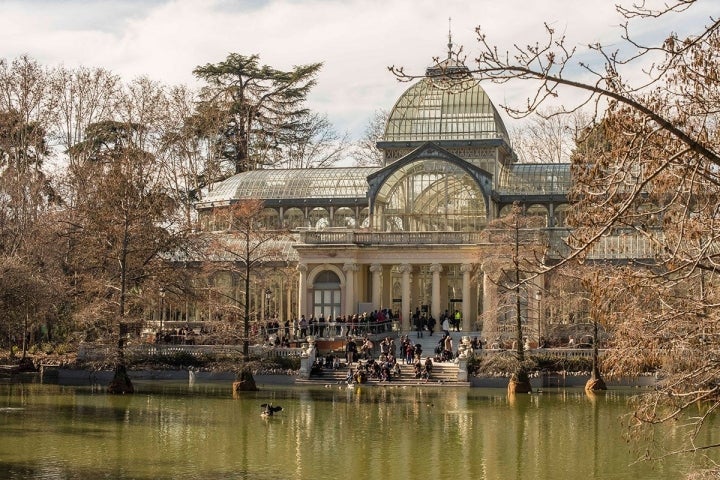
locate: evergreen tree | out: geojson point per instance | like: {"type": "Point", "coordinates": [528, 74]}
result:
{"type": "Point", "coordinates": [261, 107]}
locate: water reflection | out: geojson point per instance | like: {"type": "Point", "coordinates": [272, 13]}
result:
{"type": "Point", "coordinates": [174, 430]}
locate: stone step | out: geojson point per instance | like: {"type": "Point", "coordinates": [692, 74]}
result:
{"type": "Point", "coordinates": [443, 373]}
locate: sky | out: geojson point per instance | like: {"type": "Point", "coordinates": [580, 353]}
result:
{"type": "Point", "coordinates": [357, 40]}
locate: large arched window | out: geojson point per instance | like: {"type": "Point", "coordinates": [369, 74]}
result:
{"type": "Point", "coordinates": [430, 195]}
{"type": "Point", "coordinates": [326, 295]}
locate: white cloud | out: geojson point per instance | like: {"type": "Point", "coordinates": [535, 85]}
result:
{"type": "Point", "coordinates": [356, 39]}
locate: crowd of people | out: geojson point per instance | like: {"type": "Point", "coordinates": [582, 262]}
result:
{"type": "Point", "coordinates": [422, 322]}
{"type": "Point", "coordinates": [387, 365]}
{"type": "Point", "coordinates": [377, 321]}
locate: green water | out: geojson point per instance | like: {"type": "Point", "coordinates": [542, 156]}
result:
{"type": "Point", "coordinates": [176, 431]}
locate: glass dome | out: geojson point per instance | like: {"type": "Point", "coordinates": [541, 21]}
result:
{"type": "Point", "coordinates": [448, 104]}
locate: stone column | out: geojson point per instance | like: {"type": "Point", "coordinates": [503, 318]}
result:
{"type": "Point", "coordinates": [436, 268]}
{"type": "Point", "coordinates": [466, 269]}
{"type": "Point", "coordinates": [406, 270]}
{"type": "Point", "coordinates": [302, 290]}
{"type": "Point", "coordinates": [377, 276]}
{"type": "Point", "coordinates": [350, 269]}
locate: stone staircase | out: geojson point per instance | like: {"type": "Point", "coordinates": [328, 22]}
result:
{"type": "Point", "coordinates": [443, 374]}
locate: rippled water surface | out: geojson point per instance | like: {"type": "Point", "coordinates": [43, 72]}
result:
{"type": "Point", "coordinates": [175, 430]}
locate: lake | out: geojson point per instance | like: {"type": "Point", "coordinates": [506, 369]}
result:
{"type": "Point", "coordinates": [174, 430]}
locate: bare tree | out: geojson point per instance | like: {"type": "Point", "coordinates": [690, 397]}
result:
{"type": "Point", "coordinates": [188, 149]}
{"type": "Point", "coordinates": [84, 97]}
{"type": "Point", "coordinates": [315, 144]}
{"type": "Point", "coordinates": [117, 231]}
{"type": "Point", "coordinates": [511, 267]}
{"type": "Point", "coordinates": [549, 136]}
{"type": "Point", "coordinates": [243, 254]}
{"type": "Point", "coordinates": [365, 152]}
{"type": "Point", "coordinates": [24, 184]}
{"type": "Point", "coordinates": [647, 169]}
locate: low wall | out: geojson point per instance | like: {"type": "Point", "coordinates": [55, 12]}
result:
{"type": "Point", "coordinates": [89, 352]}
{"type": "Point", "coordinates": [559, 380]}
{"type": "Point", "coordinates": [103, 377]}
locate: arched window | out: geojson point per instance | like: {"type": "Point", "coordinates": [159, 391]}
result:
{"type": "Point", "coordinates": [344, 217]}
{"type": "Point", "coordinates": [326, 295]}
{"type": "Point", "coordinates": [319, 218]}
{"type": "Point", "coordinates": [294, 218]}
{"type": "Point", "coordinates": [538, 211]}
{"type": "Point", "coordinates": [561, 214]}
{"type": "Point", "coordinates": [270, 218]}
{"type": "Point", "coordinates": [430, 195]}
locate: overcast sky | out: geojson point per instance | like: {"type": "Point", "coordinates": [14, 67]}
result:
{"type": "Point", "coordinates": [355, 39]}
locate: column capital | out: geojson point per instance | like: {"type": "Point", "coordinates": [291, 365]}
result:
{"type": "Point", "coordinates": [466, 267]}
{"type": "Point", "coordinates": [302, 268]}
{"type": "Point", "coordinates": [350, 267]}
{"type": "Point", "coordinates": [405, 268]}
{"type": "Point", "coordinates": [376, 267]}
{"type": "Point", "coordinates": [436, 268]}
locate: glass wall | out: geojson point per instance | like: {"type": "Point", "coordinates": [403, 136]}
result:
{"type": "Point", "coordinates": [430, 195]}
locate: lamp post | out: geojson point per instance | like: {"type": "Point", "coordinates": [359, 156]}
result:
{"type": "Point", "coordinates": [162, 307]}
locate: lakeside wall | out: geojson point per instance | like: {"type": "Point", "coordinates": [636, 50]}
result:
{"type": "Point", "coordinates": [543, 381]}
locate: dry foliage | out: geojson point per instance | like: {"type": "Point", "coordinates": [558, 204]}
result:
{"type": "Point", "coordinates": [647, 167]}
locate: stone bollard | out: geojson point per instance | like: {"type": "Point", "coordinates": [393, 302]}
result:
{"type": "Point", "coordinates": [462, 362]}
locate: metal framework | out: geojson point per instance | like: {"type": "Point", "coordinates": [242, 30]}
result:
{"type": "Point", "coordinates": [435, 110]}
{"type": "Point", "coordinates": [430, 195]}
{"type": "Point", "coordinates": [317, 183]}
{"type": "Point", "coordinates": [535, 179]}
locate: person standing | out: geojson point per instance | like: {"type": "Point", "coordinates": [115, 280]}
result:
{"type": "Point", "coordinates": [448, 351]}
{"type": "Point", "coordinates": [446, 326]}
{"type": "Point", "coordinates": [303, 327]}
{"type": "Point", "coordinates": [409, 351]}
{"type": "Point", "coordinates": [431, 325]}
{"type": "Point", "coordinates": [417, 318]}
{"type": "Point", "coordinates": [350, 351]}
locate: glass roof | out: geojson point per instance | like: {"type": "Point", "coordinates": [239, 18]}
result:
{"type": "Point", "coordinates": [436, 109]}
{"type": "Point", "coordinates": [536, 178]}
{"type": "Point", "coordinates": [292, 183]}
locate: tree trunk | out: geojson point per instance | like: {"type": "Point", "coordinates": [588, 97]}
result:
{"type": "Point", "coordinates": [245, 382]}
{"type": "Point", "coordinates": [519, 382]}
{"type": "Point", "coordinates": [121, 382]}
{"type": "Point", "coordinates": [596, 381]}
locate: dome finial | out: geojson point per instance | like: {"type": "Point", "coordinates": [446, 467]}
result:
{"type": "Point", "coordinates": [449, 45]}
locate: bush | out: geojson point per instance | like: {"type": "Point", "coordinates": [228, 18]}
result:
{"type": "Point", "coordinates": [505, 363]}
{"type": "Point", "coordinates": [64, 348]}
{"type": "Point", "coordinates": [174, 360]}
{"type": "Point", "coordinates": [284, 363]}
{"type": "Point", "coordinates": [552, 363]}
